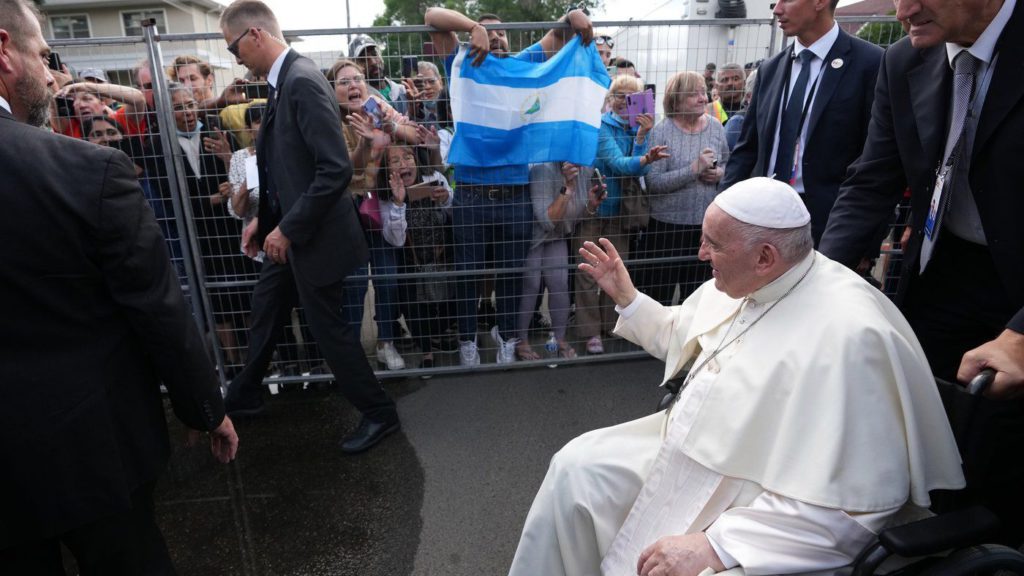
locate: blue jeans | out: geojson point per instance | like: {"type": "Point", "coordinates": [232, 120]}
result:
{"type": "Point", "coordinates": [504, 225]}
{"type": "Point", "coordinates": [384, 266]}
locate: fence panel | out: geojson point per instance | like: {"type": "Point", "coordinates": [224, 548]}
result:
{"type": "Point", "coordinates": [471, 260]}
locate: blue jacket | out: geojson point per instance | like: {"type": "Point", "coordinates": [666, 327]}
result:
{"type": "Point", "coordinates": [618, 158]}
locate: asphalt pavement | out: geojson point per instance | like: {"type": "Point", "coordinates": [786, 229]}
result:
{"type": "Point", "coordinates": [445, 496]}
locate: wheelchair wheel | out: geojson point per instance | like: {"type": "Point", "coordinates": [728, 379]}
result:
{"type": "Point", "coordinates": [983, 560]}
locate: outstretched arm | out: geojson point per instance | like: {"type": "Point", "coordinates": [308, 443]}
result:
{"type": "Point", "coordinates": [448, 22]}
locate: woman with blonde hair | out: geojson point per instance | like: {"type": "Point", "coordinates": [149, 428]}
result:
{"type": "Point", "coordinates": [681, 188]}
{"type": "Point", "coordinates": [623, 153]}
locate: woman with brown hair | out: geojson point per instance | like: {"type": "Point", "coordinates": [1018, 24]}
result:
{"type": "Point", "coordinates": [680, 189]}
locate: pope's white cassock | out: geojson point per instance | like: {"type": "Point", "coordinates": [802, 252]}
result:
{"type": "Point", "coordinates": [790, 449]}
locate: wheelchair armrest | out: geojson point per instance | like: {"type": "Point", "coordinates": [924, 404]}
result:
{"type": "Point", "coordinates": [957, 529]}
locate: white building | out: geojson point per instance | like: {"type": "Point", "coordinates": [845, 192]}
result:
{"type": "Point", "coordinates": [90, 19]}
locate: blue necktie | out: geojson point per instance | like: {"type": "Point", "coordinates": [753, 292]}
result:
{"type": "Point", "coordinates": [789, 130]}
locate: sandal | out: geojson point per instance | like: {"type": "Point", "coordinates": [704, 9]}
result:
{"type": "Point", "coordinates": [566, 351]}
{"type": "Point", "coordinates": [525, 352]}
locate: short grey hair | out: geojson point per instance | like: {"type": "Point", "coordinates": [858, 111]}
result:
{"type": "Point", "coordinates": [423, 66]}
{"type": "Point", "coordinates": [14, 17]}
{"type": "Point", "coordinates": [730, 67]}
{"type": "Point", "coordinates": [750, 82]}
{"type": "Point", "coordinates": [245, 14]}
{"type": "Point", "coordinates": [793, 244]}
{"type": "Point", "coordinates": [177, 87]}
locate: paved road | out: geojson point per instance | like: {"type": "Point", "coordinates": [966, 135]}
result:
{"type": "Point", "coordinates": [447, 496]}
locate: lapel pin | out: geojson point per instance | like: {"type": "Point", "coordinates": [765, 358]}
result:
{"type": "Point", "coordinates": [837, 63]}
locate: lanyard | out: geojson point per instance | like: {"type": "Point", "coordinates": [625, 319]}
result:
{"type": "Point", "coordinates": [810, 94]}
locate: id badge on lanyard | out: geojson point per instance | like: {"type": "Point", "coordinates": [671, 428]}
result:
{"type": "Point", "coordinates": [796, 162]}
{"type": "Point", "coordinates": [936, 204]}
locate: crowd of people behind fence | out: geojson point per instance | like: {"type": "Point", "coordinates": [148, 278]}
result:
{"type": "Point", "coordinates": [660, 176]}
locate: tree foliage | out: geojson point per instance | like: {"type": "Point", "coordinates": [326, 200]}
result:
{"type": "Point", "coordinates": [400, 12]}
{"type": "Point", "coordinates": [882, 33]}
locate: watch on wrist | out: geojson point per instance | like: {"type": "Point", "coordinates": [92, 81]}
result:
{"type": "Point", "coordinates": [563, 191]}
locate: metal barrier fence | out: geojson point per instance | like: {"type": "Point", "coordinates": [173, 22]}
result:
{"type": "Point", "coordinates": [415, 300]}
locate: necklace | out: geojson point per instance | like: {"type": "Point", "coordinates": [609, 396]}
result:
{"type": "Point", "coordinates": [723, 344]}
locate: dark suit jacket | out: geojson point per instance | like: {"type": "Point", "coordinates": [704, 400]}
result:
{"type": "Point", "coordinates": [94, 321]}
{"type": "Point", "coordinates": [218, 233]}
{"type": "Point", "coordinates": [836, 125]}
{"type": "Point", "coordinates": [304, 161]}
{"type": "Point", "coordinates": [905, 145]}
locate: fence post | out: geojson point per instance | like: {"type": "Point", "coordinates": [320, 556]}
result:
{"type": "Point", "coordinates": [177, 189]}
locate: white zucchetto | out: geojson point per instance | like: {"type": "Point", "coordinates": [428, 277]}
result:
{"type": "Point", "coordinates": [764, 202]}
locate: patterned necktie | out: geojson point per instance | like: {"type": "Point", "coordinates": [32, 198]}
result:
{"type": "Point", "coordinates": [965, 68]}
{"type": "Point", "coordinates": [790, 127]}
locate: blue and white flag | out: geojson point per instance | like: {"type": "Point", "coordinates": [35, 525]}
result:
{"type": "Point", "coordinates": [510, 112]}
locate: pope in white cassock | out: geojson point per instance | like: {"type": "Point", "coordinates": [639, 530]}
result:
{"type": "Point", "coordinates": [808, 421]}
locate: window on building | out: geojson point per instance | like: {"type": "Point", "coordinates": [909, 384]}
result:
{"type": "Point", "coordinates": [132, 21]}
{"type": "Point", "coordinates": [70, 26]}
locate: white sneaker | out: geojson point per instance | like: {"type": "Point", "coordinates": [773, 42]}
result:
{"type": "Point", "coordinates": [506, 348]}
{"type": "Point", "coordinates": [388, 356]}
{"type": "Point", "coordinates": [468, 354]}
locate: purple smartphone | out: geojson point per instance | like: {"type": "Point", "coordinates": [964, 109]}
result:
{"type": "Point", "coordinates": [639, 103]}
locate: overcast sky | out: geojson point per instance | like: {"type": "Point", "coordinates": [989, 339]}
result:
{"type": "Point", "coordinates": [299, 14]}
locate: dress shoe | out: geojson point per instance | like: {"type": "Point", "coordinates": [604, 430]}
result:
{"type": "Point", "coordinates": [368, 434]}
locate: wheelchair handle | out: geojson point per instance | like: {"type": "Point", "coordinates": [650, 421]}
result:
{"type": "Point", "coordinates": [981, 382]}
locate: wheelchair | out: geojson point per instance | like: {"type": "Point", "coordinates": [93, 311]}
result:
{"type": "Point", "coordinates": [950, 544]}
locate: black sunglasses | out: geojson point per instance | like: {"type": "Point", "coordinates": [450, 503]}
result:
{"type": "Point", "coordinates": [601, 40]}
{"type": "Point", "coordinates": [233, 47]}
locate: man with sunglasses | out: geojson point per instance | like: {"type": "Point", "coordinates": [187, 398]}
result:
{"type": "Point", "coordinates": [306, 225]}
{"type": "Point", "coordinates": [604, 48]}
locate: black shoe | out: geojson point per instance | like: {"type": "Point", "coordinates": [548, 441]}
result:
{"type": "Point", "coordinates": [247, 407]}
{"type": "Point", "coordinates": [368, 434]}
{"type": "Point", "coordinates": [486, 315]}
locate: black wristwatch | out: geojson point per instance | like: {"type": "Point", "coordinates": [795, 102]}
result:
{"type": "Point", "coordinates": [563, 191]}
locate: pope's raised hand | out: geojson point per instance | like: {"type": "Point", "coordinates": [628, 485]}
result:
{"type": "Point", "coordinates": [604, 265]}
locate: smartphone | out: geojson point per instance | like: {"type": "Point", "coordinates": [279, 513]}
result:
{"type": "Point", "coordinates": [428, 49]}
{"type": "Point", "coordinates": [714, 163]}
{"type": "Point", "coordinates": [598, 180]}
{"type": "Point", "coordinates": [257, 90]}
{"type": "Point", "coordinates": [211, 122]}
{"type": "Point", "coordinates": [65, 106]}
{"type": "Point", "coordinates": [419, 191]}
{"type": "Point", "coordinates": [654, 91]}
{"type": "Point", "coordinates": [639, 103]}
{"type": "Point", "coordinates": [410, 64]}
{"type": "Point", "coordinates": [55, 63]}
{"type": "Point", "coordinates": [372, 108]}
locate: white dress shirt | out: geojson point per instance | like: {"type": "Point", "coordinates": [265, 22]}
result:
{"type": "Point", "coordinates": [820, 49]}
{"type": "Point", "coordinates": [275, 69]}
{"type": "Point", "coordinates": [962, 218]}
{"type": "Point", "coordinates": [5, 105]}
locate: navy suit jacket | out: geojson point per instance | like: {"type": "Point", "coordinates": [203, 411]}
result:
{"type": "Point", "coordinates": [905, 145]}
{"type": "Point", "coordinates": [836, 125]}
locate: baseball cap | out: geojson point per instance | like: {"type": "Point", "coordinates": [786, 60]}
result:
{"type": "Point", "coordinates": [93, 74]}
{"type": "Point", "coordinates": [359, 44]}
